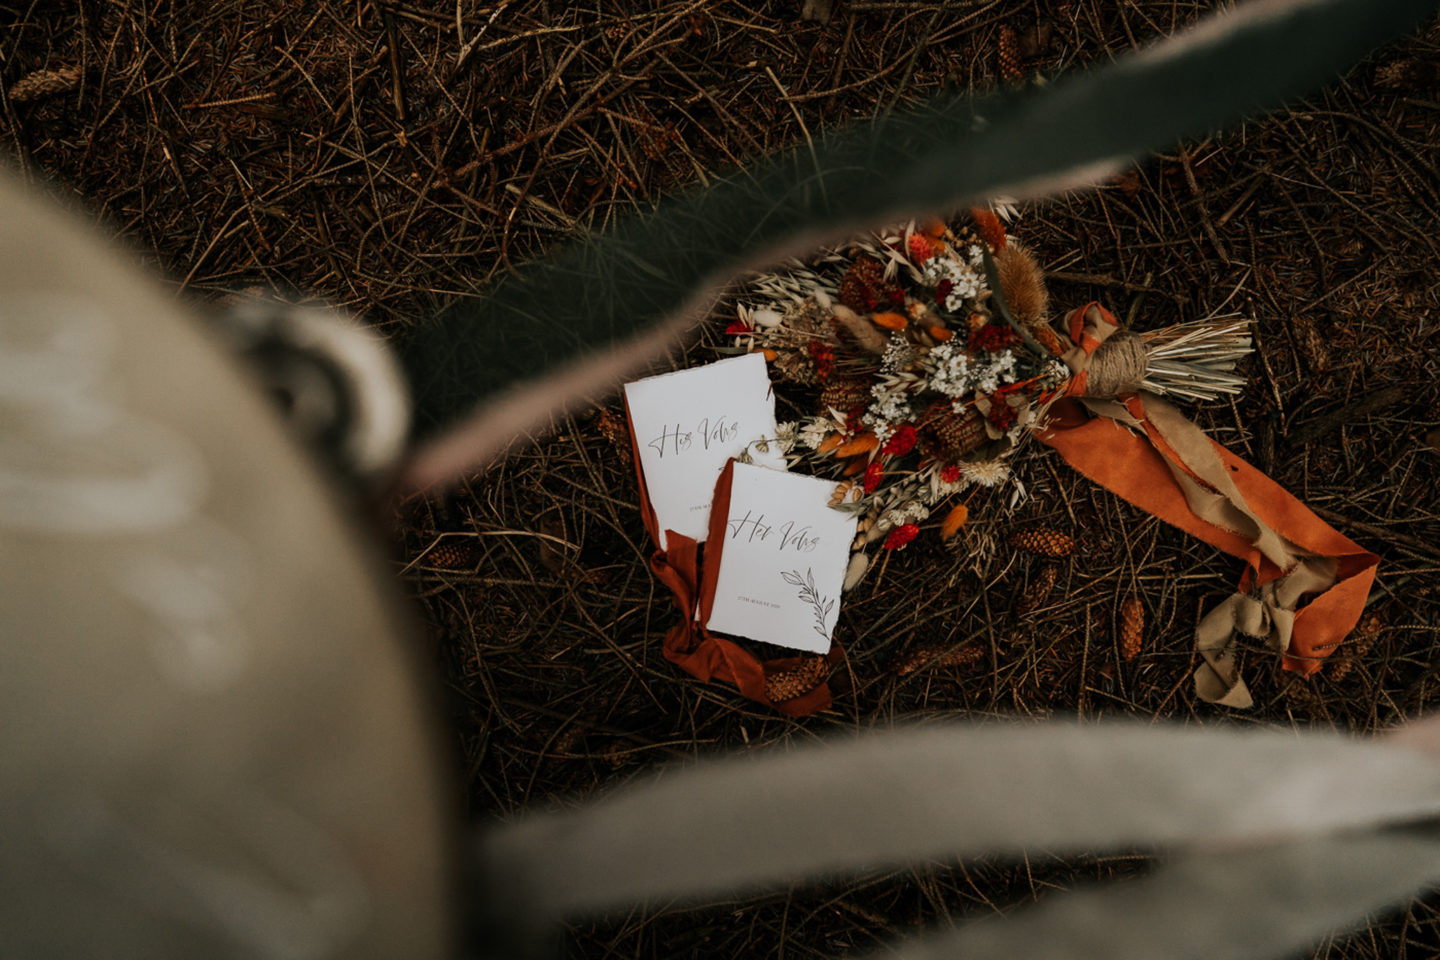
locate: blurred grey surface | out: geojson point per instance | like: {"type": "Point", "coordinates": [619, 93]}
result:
{"type": "Point", "coordinates": [214, 740]}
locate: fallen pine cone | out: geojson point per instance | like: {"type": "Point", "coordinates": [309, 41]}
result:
{"type": "Point", "coordinates": [613, 428]}
{"type": "Point", "coordinates": [1009, 54]}
{"type": "Point", "coordinates": [797, 681]}
{"type": "Point", "coordinates": [935, 657]}
{"type": "Point", "coordinates": [1044, 542]}
{"type": "Point", "coordinates": [1039, 591]}
{"type": "Point", "coordinates": [450, 555]}
{"type": "Point", "coordinates": [44, 83]}
{"type": "Point", "coordinates": [1356, 646]}
{"type": "Point", "coordinates": [1132, 627]}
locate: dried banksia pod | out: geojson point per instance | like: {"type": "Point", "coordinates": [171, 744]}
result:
{"type": "Point", "coordinates": [1022, 283]}
{"type": "Point", "coordinates": [1044, 542]}
{"type": "Point", "coordinates": [797, 681]}
{"type": "Point", "coordinates": [1039, 591]}
{"type": "Point", "coordinates": [935, 657]}
{"type": "Point", "coordinates": [1009, 54]}
{"type": "Point", "coordinates": [44, 83]}
{"type": "Point", "coordinates": [1132, 628]}
{"type": "Point", "coordinates": [452, 554]}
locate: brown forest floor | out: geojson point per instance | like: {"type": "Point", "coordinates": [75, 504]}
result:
{"type": "Point", "coordinates": [386, 157]}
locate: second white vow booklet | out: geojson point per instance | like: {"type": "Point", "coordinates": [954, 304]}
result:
{"type": "Point", "coordinates": [781, 558]}
{"type": "Point", "coordinates": [687, 426]}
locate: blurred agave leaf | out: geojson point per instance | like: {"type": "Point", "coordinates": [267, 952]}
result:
{"type": "Point", "coordinates": [886, 799]}
{"type": "Point", "coordinates": [579, 321]}
{"type": "Point", "coordinates": [1258, 904]}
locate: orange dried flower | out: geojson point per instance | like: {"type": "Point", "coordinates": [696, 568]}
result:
{"type": "Point", "coordinates": [954, 520]}
{"type": "Point", "coordinates": [890, 321]}
{"type": "Point", "coordinates": [940, 334]}
{"type": "Point", "coordinates": [862, 444]}
{"type": "Point", "coordinates": [919, 248]}
{"type": "Point", "coordinates": [992, 231]}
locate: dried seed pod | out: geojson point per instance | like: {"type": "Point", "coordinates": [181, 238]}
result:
{"type": "Point", "coordinates": [1132, 628]}
{"type": "Point", "coordinates": [1023, 284]}
{"type": "Point", "coordinates": [948, 436]}
{"type": "Point", "coordinates": [844, 392]}
{"type": "Point", "coordinates": [1044, 542]}
{"type": "Point", "coordinates": [1046, 336]}
{"type": "Point", "coordinates": [44, 83]}
{"type": "Point", "coordinates": [1038, 591]}
{"type": "Point", "coordinates": [1009, 54]}
{"type": "Point", "coordinates": [954, 520]}
{"type": "Point", "coordinates": [451, 554]}
{"type": "Point", "coordinates": [935, 657]}
{"type": "Point", "coordinates": [797, 681]}
{"type": "Point", "coordinates": [797, 367]}
{"type": "Point", "coordinates": [857, 567]}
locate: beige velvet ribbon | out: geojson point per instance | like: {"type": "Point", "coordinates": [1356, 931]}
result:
{"type": "Point", "coordinates": [1213, 506]}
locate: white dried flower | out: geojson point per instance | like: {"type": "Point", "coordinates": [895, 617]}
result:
{"type": "Point", "coordinates": [987, 473]}
{"type": "Point", "coordinates": [949, 370]}
{"type": "Point", "coordinates": [814, 432]}
{"type": "Point", "coordinates": [1000, 370]}
{"type": "Point", "coordinates": [786, 434]}
{"type": "Point", "coordinates": [966, 283]}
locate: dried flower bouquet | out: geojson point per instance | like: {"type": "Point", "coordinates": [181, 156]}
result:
{"type": "Point", "coordinates": [930, 356]}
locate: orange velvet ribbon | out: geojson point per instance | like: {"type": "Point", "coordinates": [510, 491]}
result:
{"type": "Point", "coordinates": [1133, 464]}
{"type": "Point", "coordinates": [690, 571]}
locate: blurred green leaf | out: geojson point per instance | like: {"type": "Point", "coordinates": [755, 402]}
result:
{"type": "Point", "coordinates": [607, 292]}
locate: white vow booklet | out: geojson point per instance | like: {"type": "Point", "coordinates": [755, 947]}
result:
{"type": "Point", "coordinates": [782, 556]}
{"type": "Point", "coordinates": [687, 425]}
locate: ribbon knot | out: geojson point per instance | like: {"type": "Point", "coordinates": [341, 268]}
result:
{"type": "Point", "coordinates": [1139, 446]}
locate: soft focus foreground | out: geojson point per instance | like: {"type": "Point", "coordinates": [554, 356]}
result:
{"type": "Point", "coordinates": [365, 157]}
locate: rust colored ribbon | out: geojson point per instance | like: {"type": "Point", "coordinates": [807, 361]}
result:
{"type": "Point", "coordinates": [1140, 447]}
{"type": "Point", "coordinates": [690, 572]}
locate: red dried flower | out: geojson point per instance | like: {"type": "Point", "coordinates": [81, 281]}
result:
{"type": "Point", "coordinates": [873, 473]}
{"type": "Point", "coordinates": [852, 419]}
{"type": "Point", "coordinates": [942, 291]}
{"type": "Point", "coordinates": [1001, 414]}
{"type": "Point", "coordinates": [901, 535]}
{"type": "Point", "coordinates": [951, 474]}
{"type": "Point", "coordinates": [901, 442]}
{"type": "Point", "coordinates": [738, 328]}
{"type": "Point", "coordinates": [824, 356]}
{"type": "Point", "coordinates": [920, 249]}
{"type": "Point", "coordinates": [897, 297]}
{"type": "Point", "coordinates": [993, 338]}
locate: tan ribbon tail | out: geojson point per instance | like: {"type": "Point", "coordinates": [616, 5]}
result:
{"type": "Point", "coordinates": [1147, 452]}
